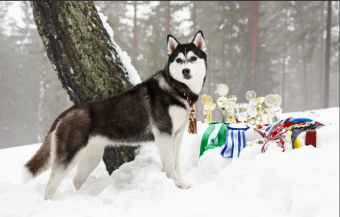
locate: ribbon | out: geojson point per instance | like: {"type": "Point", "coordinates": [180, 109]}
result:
{"type": "Point", "coordinates": [214, 136]}
{"type": "Point", "coordinates": [235, 141]}
{"type": "Point", "coordinates": [192, 129]}
{"type": "Point", "coordinates": [311, 137]}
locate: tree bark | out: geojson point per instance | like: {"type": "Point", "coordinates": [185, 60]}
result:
{"type": "Point", "coordinates": [83, 56]}
{"type": "Point", "coordinates": [254, 37]}
{"type": "Point", "coordinates": [232, 63]}
{"type": "Point", "coordinates": [321, 60]}
{"type": "Point", "coordinates": [169, 17]}
{"type": "Point", "coordinates": [134, 33]}
{"type": "Point", "coordinates": [304, 64]}
{"type": "Point", "coordinates": [194, 17]}
{"type": "Point", "coordinates": [327, 55]}
{"type": "Point", "coordinates": [284, 60]}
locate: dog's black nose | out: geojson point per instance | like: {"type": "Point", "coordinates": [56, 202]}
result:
{"type": "Point", "coordinates": [186, 71]}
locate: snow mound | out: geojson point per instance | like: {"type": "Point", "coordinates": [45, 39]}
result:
{"type": "Point", "coordinates": [299, 182]}
{"type": "Point", "coordinates": [126, 60]}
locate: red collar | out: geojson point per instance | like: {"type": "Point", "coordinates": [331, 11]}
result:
{"type": "Point", "coordinates": [191, 103]}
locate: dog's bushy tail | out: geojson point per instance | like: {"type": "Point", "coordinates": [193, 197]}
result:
{"type": "Point", "coordinates": [40, 162]}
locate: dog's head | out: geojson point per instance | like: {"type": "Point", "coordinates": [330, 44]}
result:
{"type": "Point", "coordinates": [187, 63]}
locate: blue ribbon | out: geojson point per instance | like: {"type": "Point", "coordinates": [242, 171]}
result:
{"type": "Point", "coordinates": [235, 141]}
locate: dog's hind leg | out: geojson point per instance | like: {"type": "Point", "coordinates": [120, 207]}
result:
{"type": "Point", "coordinates": [58, 173]}
{"type": "Point", "coordinates": [88, 162]}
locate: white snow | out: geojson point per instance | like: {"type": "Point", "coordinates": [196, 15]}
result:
{"type": "Point", "coordinates": [299, 182]}
{"type": "Point", "coordinates": [126, 60]}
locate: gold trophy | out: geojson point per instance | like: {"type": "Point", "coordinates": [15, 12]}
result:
{"type": "Point", "coordinates": [222, 101]}
{"type": "Point", "coordinates": [273, 102]}
{"type": "Point", "coordinates": [208, 107]}
{"type": "Point", "coordinates": [260, 110]}
{"type": "Point", "coordinates": [231, 108]}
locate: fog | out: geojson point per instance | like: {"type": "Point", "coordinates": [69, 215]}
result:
{"type": "Point", "coordinates": [267, 47]}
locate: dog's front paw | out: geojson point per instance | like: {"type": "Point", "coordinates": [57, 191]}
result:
{"type": "Point", "coordinates": [182, 184]}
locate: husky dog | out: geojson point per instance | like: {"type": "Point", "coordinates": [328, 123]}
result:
{"type": "Point", "coordinates": [156, 110]}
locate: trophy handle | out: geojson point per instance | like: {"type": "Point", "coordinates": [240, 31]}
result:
{"type": "Point", "coordinates": [213, 106]}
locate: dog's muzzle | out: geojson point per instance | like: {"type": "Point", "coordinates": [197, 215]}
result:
{"type": "Point", "coordinates": [186, 73]}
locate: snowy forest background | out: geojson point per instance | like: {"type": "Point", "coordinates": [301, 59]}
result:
{"type": "Point", "coordinates": [290, 40]}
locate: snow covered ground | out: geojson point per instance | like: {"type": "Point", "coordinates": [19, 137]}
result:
{"type": "Point", "coordinates": [299, 182]}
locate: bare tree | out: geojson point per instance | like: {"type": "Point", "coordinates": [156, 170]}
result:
{"type": "Point", "coordinates": [254, 37]}
{"type": "Point", "coordinates": [84, 57]}
{"type": "Point", "coordinates": [134, 32]}
{"type": "Point", "coordinates": [327, 55]}
{"type": "Point", "coordinates": [169, 17]}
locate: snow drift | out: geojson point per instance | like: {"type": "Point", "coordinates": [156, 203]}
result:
{"type": "Point", "coordinates": [299, 182]}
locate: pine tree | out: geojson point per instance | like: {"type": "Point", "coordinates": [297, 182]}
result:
{"type": "Point", "coordinates": [84, 57]}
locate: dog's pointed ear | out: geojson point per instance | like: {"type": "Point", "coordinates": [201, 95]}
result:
{"type": "Point", "coordinates": [199, 41]}
{"type": "Point", "coordinates": [172, 44]}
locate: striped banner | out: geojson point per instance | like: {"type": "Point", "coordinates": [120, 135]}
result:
{"type": "Point", "coordinates": [235, 141]}
{"type": "Point", "coordinates": [214, 136]}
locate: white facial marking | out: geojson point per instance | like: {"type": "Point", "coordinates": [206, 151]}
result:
{"type": "Point", "coordinates": [197, 71]}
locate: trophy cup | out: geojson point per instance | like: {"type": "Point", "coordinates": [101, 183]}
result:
{"type": "Point", "coordinates": [208, 107]}
{"type": "Point", "coordinates": [279, 100]}
{"type": "Point", "coordinates": [251, 108]}
{"type": "Point", "coordinates": [258, 100]}
{"type": "Point", "coordinates": [231, 108]}
{"type": "Point", "coordinates": [273, 102]}
{"type": "Point", "coordinates": [241, 112]}
{"type": "Point", "coordinates": [222, 101]}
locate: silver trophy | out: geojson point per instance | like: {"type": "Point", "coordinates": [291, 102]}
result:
{"type": "Point", "coordinates": [241, 112]}
{"type": "Point", "coordinates": [251, 107]}
{"type": "Point", "coordinates": [222, 101]}
{"type": "Point", "coordinates": [231, 108]}
{"type": "Point", "coordinates": [273, 102]}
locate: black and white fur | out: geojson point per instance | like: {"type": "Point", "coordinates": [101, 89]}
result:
{"type": "Point", "coordinates": [155, 110]}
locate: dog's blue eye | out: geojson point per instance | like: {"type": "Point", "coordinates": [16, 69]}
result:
{"type": "Point", "coordinates": [193, 58]}
{"type": "Point", "coordinates": [178, 60]}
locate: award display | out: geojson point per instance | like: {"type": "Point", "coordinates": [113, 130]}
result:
{"type": "Point", "coordinates": [231, 108]}
{"type": "Point", "coordinates": [279, 100]}
{"type": "Point", "coordinates": [250, 95]}
{"type": "Point", "coordinates": [241, 112]}
{"type": "Point", "coordinates": [251, 107]}
{"type": "Point", "coordinates": [208, 107]}
{"type": "Point", "coordinates": [258, 100]}
{"type": "Point", "coordinates": [222, 101]}
{"type": "Point", "coordinates": [252, 112]}
{"type": "Point", "coordinates": [273, 102]}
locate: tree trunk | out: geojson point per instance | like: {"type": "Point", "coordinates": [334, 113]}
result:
{"type": "Point", "coordinates": [232, 63]}
{"type": "Point", "coordinates": [284, 60]}
{"type": "Point", "coordinates": [304, 64]}
{"type": "Point", "coordinates": [327, 55]}
{"type": "Point", "coordinates": [194, 17]}
{"type": "Point", "coordinates": [169, 17]}
{"type": "Point", "coordinates": [321, 60]}
{"type": "Point", "coordinates": [83, 56]}
{"type": "Point", "coordinates": [134, 33]}
{"type": "Point", "coordinates": [42, 90]}
{"type": "Point", "coordinates": [254, 36]}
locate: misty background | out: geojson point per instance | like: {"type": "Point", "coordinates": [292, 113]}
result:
{"type": "Point", "coordinates": [280, 43]}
